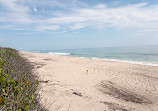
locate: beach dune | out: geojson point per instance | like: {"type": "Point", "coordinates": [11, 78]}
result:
{"type": "Point", "coordinates": [83, 84]}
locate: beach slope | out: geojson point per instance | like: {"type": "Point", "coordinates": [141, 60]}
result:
{"type": "Point", "coordinates": [83, 84]}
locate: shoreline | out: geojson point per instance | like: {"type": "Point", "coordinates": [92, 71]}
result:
{"type": "Point", "coordinates": [88, 84]}
{"type": "Point", "coordinates": [131, 62]}
{"type": "Point", "coordinates": [114, 60]}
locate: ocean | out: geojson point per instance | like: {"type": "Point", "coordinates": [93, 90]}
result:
{"type": "Point", "coordinates": [147, 55]}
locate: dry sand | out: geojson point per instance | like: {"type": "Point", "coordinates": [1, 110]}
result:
{"type": "Point", "coordinates": [65, 84]}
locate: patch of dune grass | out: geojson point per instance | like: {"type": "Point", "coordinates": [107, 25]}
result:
{"type": "Point", "coordinates": [18, 85]}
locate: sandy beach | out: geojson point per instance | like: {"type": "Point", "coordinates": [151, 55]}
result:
{"type": "Point", "coordinates": [83, 84]}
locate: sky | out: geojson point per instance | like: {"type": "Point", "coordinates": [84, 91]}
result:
{"type": "Point", "coordinates": [69, 24]}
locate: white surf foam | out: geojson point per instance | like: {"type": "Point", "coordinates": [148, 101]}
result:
{"type": "Point", "coordinates": [133, 62]}
{"type": "Point", "coordinates": [59, 53]}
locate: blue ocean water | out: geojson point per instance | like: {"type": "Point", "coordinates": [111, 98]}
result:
{"type": "Point", "coordinates": [140, 55]}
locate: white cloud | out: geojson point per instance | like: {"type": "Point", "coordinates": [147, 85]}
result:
{"type": "Point", "coordinates": [139, 16]}
{"type": "Point", "coordinates": [35, 9]}
{"type": "Point", "coordinates": [131, 16]}
{"type": "Point", "coordinates": [47, 28]}
{"type": "Point", "coordinates": [101, 6]}
{"type": "Point", "coordinates": [14, 12]}
{"type": "Point", "coordinates": [77, 26]}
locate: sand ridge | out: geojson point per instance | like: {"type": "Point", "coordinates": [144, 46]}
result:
{"type": "Point", "coordinates": [65, 84]}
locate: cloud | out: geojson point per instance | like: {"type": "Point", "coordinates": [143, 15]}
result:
{"type": "Point", "coordinates": [131, 16]}
{"type": "Point", "coordinates": [47, 28]}
{"type": "Point", "coordinates": [52, 15]}
{"type": "Point", "coordinates": [101, 6]}
{"type": "Point", "coordinates": [14, 12]}
{"type": "Point", "coordinates": [35, 9]}
{"type": "Point", "coordinates": [77, 26]}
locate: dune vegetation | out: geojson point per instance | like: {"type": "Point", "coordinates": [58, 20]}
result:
{"type": "Point", "coordinates": [18, 85]}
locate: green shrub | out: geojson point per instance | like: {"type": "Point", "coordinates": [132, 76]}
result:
{"type": "Point", "coordinates": [18, 85]}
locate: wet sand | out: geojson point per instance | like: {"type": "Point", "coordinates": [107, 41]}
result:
{"type": "Point", "coordinates": [83, 84]}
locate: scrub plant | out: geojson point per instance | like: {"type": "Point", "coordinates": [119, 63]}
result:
{"type": "Point", "coordinates": [18, 85]}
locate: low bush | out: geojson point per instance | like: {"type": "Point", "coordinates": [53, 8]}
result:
{"type": "Point", "coordinates": [18, 85]}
